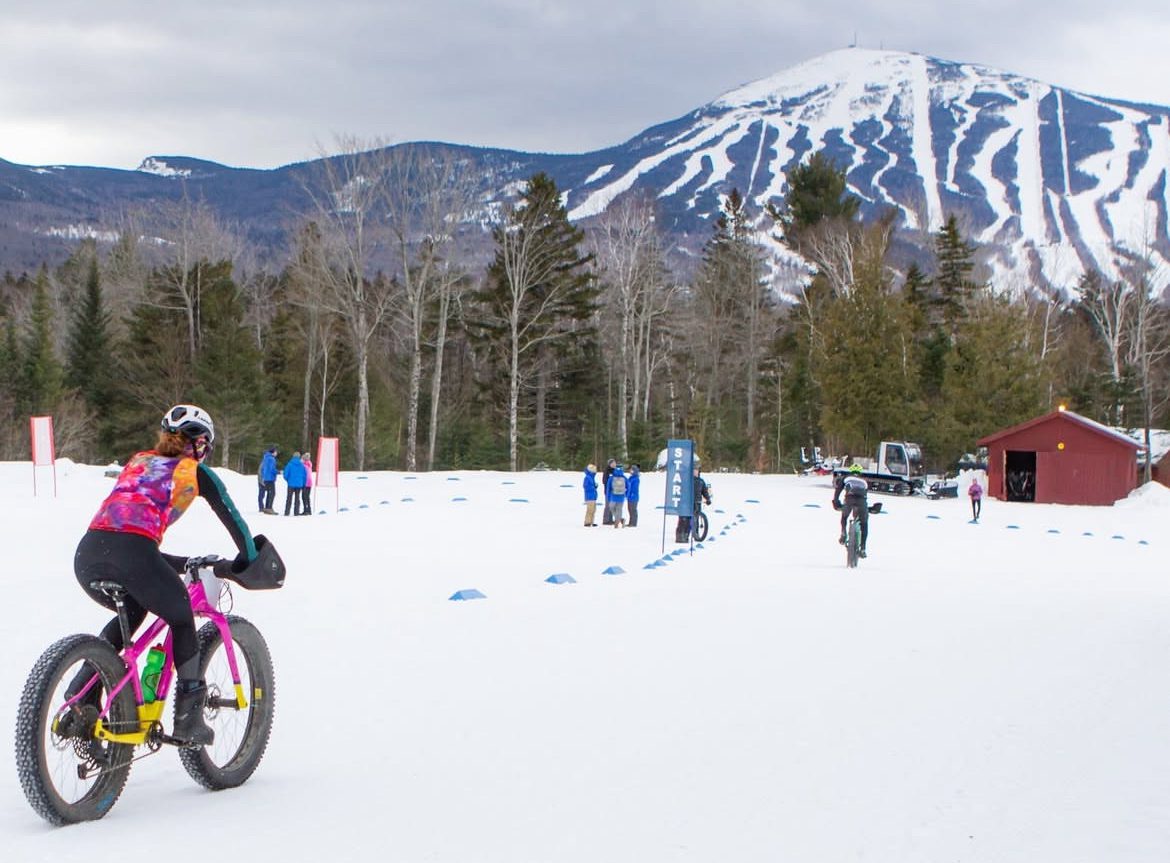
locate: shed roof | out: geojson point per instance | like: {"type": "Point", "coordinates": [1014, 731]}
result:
{"type": "Point", "coordinates": [1091, 425]}
{"type": "Point", "coordinates": [1159, 443]}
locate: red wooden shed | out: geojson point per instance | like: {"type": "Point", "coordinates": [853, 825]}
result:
{"type": "Point", "coordinates": [1161, 470]}
{"type": "Point", "coordinates": [1061, 457]}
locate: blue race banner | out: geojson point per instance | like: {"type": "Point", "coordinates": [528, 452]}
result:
{"type": "Point", "coordinates": [680, 486]}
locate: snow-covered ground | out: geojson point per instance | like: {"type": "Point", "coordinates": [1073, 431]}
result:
{"type": "Point", "coordinates": [994, 692]}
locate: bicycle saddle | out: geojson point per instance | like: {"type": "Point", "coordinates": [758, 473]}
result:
{"type": "Point", "coordinates": [112, 589]}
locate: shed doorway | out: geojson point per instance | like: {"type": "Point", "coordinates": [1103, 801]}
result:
{"type": "Point", "coordinates": [1020, 475]}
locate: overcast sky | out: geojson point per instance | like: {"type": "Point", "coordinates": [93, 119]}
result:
{"type": "Point", "coordinates": [263, 84]}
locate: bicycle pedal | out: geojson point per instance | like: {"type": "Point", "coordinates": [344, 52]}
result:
{"type": "Point", "coordinates": [178, 743]}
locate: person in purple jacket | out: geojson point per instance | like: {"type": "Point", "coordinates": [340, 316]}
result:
{"type": "Point", "coordinates": [975, 492]}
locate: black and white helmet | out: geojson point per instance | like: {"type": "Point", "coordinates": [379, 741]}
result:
{"type": "Point", "coordinates": [189, 420]}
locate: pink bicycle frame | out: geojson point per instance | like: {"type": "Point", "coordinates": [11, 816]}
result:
{"type": "Point", "coordinates": [201, 607]}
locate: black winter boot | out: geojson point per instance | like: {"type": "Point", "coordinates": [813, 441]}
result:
{"type": "Point", "coordinates": [190, 699]}
{"type": "Point", "coordinates": [79, 719]}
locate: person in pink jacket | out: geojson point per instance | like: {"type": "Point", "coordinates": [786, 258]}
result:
{"type": "Point", "coordinates": [307, 491]}
{"type": "Point", "coordinates": [975, 492]}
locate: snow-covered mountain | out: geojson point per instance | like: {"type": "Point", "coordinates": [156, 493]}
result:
{"type": "Point", "coordinates": [1050, 181]}
{"type": "Point", "coordinates": [1058, 181]}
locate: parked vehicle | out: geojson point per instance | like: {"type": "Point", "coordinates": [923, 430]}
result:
{"type": "Point", "coordinates": [896, 470]}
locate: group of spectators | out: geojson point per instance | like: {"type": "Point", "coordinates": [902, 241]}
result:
{"type": "Point", "coordinates": [621, 494]}
{"type": "Point", "coordinates": [622, 491]}
{"type": "Point", "coordinates": [298, 477]}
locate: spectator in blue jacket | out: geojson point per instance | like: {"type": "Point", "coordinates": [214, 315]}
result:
{"type": "Point", "coordinates": [590, 485]}
{"type": "Point", "coordinates": [294, 476]}
{"type": "Point", "coordinates": [633, 481]}
{"type": "Point", "coordinates": [267, 481]}
{"type": "Point", "coordinates": [615, 495]}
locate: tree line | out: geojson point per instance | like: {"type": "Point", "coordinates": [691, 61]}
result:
{"type": "Point", "coordinates": [389, 325]}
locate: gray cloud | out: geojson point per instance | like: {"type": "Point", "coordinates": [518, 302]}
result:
{"type": "Point", "coordinates": [264, 84]}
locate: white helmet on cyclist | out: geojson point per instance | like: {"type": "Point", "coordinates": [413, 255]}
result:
{"type": "Point", "coordinates": [190, 421]}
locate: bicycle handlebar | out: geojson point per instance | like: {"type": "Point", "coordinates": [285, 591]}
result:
{"type": "Point", "coordinates": [196, 563]}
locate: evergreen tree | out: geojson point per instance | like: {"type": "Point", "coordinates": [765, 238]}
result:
{"type": "Point", "coordinates": [866, 363]}
{"type": "Point", "coordinates": [155, 364]}
{"type": "Point", "coordinates": [819, 220]}
{"type": "Point", "coordinates": [994, 378]}
{"type": "Point", "coordinates": [43, 378]}
{"type": "Point", "coordinates": [229, 378]}
{"type": "Point", "coordinates": [952, 280]}
{"type": "Point", "coordinates": [932, 339]}
{"type": "Point", "coordinates": [11, 373]}
{"type": "Point", "coordinates": [731, 331]}
{"type": "Point", "coordinates": [817, 190]}
{"type": "Point", "coordinates": [537, 292]}
{"type": "Point", "coordinates": [89, 367]}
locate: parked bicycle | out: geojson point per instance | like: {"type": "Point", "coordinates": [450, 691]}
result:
{"type": "Point", "coordinates": [74, 750]}
{"type": "Point", "coordinates": [701, 525]}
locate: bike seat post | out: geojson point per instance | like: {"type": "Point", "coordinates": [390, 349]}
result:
{"type": "Point", "coordinates": [117, 593]}
{"type": "Point", "coordinates": [123, 622]}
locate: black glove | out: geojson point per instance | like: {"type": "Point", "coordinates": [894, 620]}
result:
{"type": "Point", "coordinates": [836, 504]}
{"type": "Point", "coordinates": [224, 568]}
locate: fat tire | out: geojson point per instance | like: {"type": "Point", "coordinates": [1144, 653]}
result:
{"type": "Point", "coordinates": [37, 708]}
{"type": "Point", "coordinates": [215, 767]}
{"type": "Point", "coordinates": [701, 527]}
{"type": "Point", "coordinates": [853, 543]}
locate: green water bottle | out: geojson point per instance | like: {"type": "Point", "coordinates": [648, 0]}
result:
{"type": "Point", "coordinates": [156, 657]}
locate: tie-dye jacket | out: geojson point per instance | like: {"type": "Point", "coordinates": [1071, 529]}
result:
{"type": "Point", "coordinates": [154, 490]}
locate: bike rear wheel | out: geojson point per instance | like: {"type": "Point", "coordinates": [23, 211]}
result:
{"type": "Point", "coordinates": [72, 778]}
{"type": "Point", "coordinates": [241, 736]}
{"type": "Point", "coordinates": [853, 543]}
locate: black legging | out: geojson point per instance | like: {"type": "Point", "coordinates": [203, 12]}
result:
{"type": "Point", "coordinates": [860, 508]}
{"type": "Point", "coordinates": [152, 583]}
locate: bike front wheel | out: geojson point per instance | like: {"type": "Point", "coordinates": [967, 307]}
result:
{"type": "Point", "coordinates": [67, 775]}
{"type": "Point", "coordinates": [701, 527]}
{"type": "Point", "coordinates": [241, 735]}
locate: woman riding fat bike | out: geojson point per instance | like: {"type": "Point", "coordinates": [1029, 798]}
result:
{"type": "Point", "coordinates": [122, 545]}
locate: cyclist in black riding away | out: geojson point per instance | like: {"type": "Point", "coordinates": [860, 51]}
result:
{"type": "Point", "coordinates": [122, 545]}
{"type": "Point", "coordinates": [856, 491]}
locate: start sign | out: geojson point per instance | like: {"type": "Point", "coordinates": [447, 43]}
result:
{"type": "Point", "coordinates": [680, 484]}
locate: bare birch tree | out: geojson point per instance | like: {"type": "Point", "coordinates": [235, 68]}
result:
{"type": "Point", "coordinates": [450, 285]}
{"type": "Point", "coordinates": [627, 247]}
{"type": "Point", "coordinates": [188, 237]}
{"type": "Point", "coordinates": [1148, 346]}
{"type": "Point", "coordinates": [318, 327]}
{"type": "Point", "coordinates": [428, 195]}
{"type": "Point", "coordinates": [348, 199]}
{"type": "Point", "coordinates": [1108, 306]}
{"type": "Point", "coordinates": [535, 284]}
